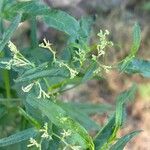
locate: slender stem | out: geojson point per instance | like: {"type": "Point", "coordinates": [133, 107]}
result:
{"type": "Point", "coordinates": [7, 83]}
{"type": "Point", "coordinates": [5, 73]}
{"type": "Point", "coordinates": [34, 41]}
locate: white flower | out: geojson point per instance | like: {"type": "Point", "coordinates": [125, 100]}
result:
{"type": "Point", "coordinates": [45, 131]}
{"type": "Point", "coordinates": [103, 42]}
{"type": "Point", "coordinates": [76, 147]}
{"type": "Point", "coordinates": [27, 88]}
{"type": "Point", "coordinates": [73, 72]}
{"type": "Point", "coordinates": [18, 59]}
{"type": "Point", "coordinates": [12, 47]}
{"type": "Point", "coordinates": [33, 142]}
{"type": "Point", "coordinates": [7, 64]}
{"type": "Point", "coordinates": [66, 133]}
{"type": "Point", "coordinates": [47, 44]}
{"type": "Point", "coordinates": [42, 93]}
{"type": "Point", "coordinates": [81, 56]}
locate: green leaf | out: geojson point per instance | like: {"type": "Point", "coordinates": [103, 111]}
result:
{"type": "Point", "coordinates": [3, 111]}
{"type": "Point", "coordinates": [134, 48]}
{"type": "Point", "coordinates": [28, 9]}
{"type": "Point", "coordinates": [53, 18]}
{"type": "Point", "coordinates": [79, 115]}
{"type": "Point", "coordinates": [62, 21]}
{"type": "Point", "coordinates": [85, 28]}
{"type": "Point", "coordinates": [90, 108]}
{"type": "Point", "coordinates": [120, 144]}
{"type": "Point", "coordinates": [139, 66]}
{"type": "Point", "coordinates": [123, 98]}
{"type": "Point", "coordinates": [102, 138]}
{"type": "Point", "coordinates": [18, 137]}
{"type": "Point", "coordinates": [89, 72]}
{"type": "Point", "coordinates": [59, 117]}
{"type": "Point", "coordinates": [136, 39]}
{"type": "Point", "coordinates": [9, 32]}
{"type": "Point", "coordinates": [108, 134]}
{"type": "Point", "coordinates": [54, 72]}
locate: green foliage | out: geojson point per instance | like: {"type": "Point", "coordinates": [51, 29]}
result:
{"type": "Point", "coordinates": [134, 48]}
{"type": "Point", "coordinates": [47, 122]}
{"type": "Point", "coordinates": [139, 66]}
{"type": "Point", "coordinates": [18, 137]}
{"type": "Point", "coordinates": [9, 32]}
{"type": "Point", "coordinates": [107, 135]}
{"type": "Point", "coordinates": [136, 39]}
{"type": "Point", "coordinates": [120, 144]}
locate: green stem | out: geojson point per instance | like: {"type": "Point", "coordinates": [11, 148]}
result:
{"type": "Point", "coordinates": [5, 73]}
{"type": "Point", "coordinates": [34, 41]}
{"type": "Point", "coordinates": [6, 78]}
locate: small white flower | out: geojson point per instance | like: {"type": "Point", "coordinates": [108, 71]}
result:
{"type": "Point", "coordinates": [47, 44]}
{"type": "Point", "coordinates": [27, 88]}
{"type": "Point", "coordinates": [63, 119]}
{"type": "Point", "coordinates": [18, 59]}
{"type": "Point", "coordinates": [33, 142]}
{"type": "Point", "coordinates": [7, 64]}
{"type": "Point", "coordinates": [12, 47]}
{"type": "Point", "coordinates": [66, 133]}
{"type": "Point", "coordinates": [76, 147]}
{"type": "Point", "coordinates": [103, 42]}
{"type": "Point", "coordinates": [42, 93]}
{"type": "Point", "coordinates": [73, 72]}
{"type": "Point", "coordinates": [81, 56]}
{"type": "Point", "coordinates": [45, 132]}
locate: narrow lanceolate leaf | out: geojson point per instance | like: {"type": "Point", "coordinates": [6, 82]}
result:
{"type": "Point", "coordinates": [62, 21]}
{"type": "Point", "coordinates": [79, 116]}
{"type": "Point", "coordinates": [120, 144]}
{"type": "Point", "coordinates": [85, 27]}
{"type": "Point", "coordinates": [89, 72]}
{"type": "Point", "coordinates": [18, 137]}
{"type": "Point", "coordinates": [102, 138]}
{"type": "Point", "coordinates": [136, 39]}
{"type": "Point", "coordinates": [58, 116]}
{"type": "Point", "coordinates": [9, 32]}
{"type": "Point", "coordinates": [134, 48]}
{"type": "Point", "coordinates": [139, 66]}
{"type": "Point", "coordinates": [108, 134]}
{"type": "Point", "coordinates": [91, 108]}
{"type": "Point", "coordinates": [123, 98]}
{"type": "Point", "coordinates": [59, 72]}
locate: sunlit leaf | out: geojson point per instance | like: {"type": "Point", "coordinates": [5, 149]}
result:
{"type": "Point", "coordinates": [59, 117]}
{"type": "Point", "coordinates": [18, 137]}
{"type": "Point", "coordinates": [139, 66]}
{"type": "Point", "coordinates": [9, 32]}
{"type": "Point", "coordinates": [120, 144]}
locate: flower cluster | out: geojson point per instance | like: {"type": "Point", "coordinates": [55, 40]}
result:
{"type": "Point", "coordinates": [101, 51]}
{"type": "Point", "coordinates": [45, 135]}
{"type": "Point", "coordinates": [18, 59]}
{"type": "Point", "coordinates": [46, 44]}
{"type": "Point", "coordinates": [42, 93]}
{"type": "Point", "coordinates": [80, 56]}
{"type": "Point", "coordinates": [44, 131]}
{"type": "Point", "coordinates": [33, 142]}
{"type": "Point", "coordinates": [73, 72]}
{"type": "Point", "coordinates": [103, 42]}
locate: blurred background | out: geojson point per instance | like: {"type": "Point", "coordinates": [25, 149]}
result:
{"type": "Point", "coordinates": [117, 16]}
